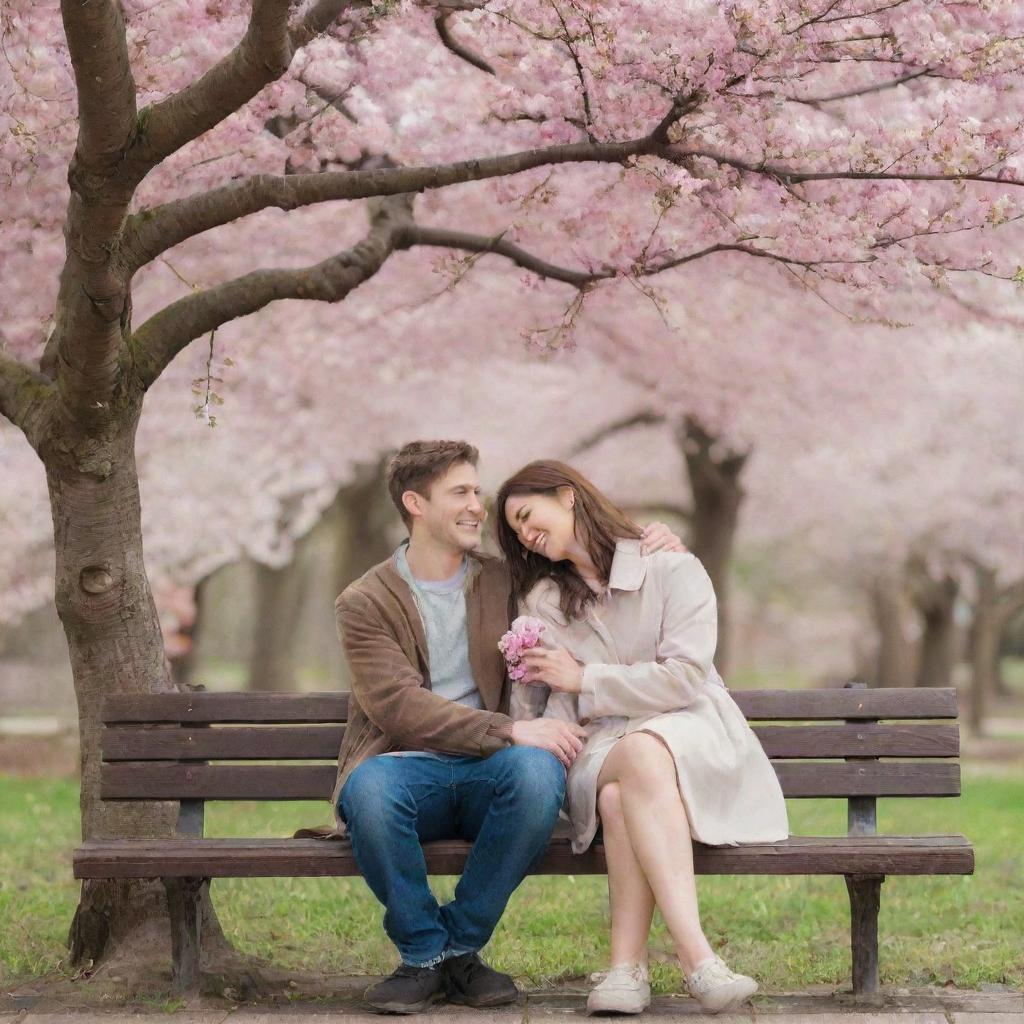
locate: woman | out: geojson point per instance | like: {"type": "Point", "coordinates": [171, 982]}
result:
{"type": "Point", "coordinates": [668, 758]}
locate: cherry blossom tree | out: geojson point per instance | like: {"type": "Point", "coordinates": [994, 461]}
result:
{"type": "Point", "coordinates": [282, 148]}
{"type": "Point", "coordinates": [914, 500]}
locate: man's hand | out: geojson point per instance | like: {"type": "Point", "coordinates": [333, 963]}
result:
{"type": "Point", "coordinates": [557, 669]}
{"type": "Point", "coordinates": [563, 739]}
{"type": "Point", "coordinates": [658, 537]}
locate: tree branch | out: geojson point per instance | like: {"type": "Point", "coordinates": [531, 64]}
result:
{"type": "Point", "coordinates": [26, 398]}
{"type": "Point", "coordinates": [262, 56]}
{"type": "Point", "coordinates": [460, 51]}
{"type": "Point", "coordinates": [749, 250]}
{"type": "Point", "coordinates": [791, 176]}
{"type": "Point", "coordinates": [867, 90]}
{"type": "Point", "coordinates": [103, 78]}
{"type": "Point", "coordinates": [93, 298]}
{"type": "Point", "coordinates": [643, 418]}
{"type": "Point", "coordinates": [152, 232]}
{"type": "Point", "coordinates": [166, 333]}
{"type": "Point", "coordinates": [445, 239]}
{"type": "Point", "coordinates": [316, 20]}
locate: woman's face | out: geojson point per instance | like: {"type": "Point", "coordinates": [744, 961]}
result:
{"type": "Point", "coordinates": [544, 523]}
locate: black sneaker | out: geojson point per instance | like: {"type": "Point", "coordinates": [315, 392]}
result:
{"type": "Point", "coordinates": [472, 983]}
{"type": "Point", "coordinates": [408, 990]}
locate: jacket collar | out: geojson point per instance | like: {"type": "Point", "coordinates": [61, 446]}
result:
{"type": "Point", "coordinates": [629, 567]}
{"type": "Point", "coordinates": [393, 581]}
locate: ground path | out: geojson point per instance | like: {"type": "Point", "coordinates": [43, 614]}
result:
{"type": "Point", "coordinates": [564, 1004]}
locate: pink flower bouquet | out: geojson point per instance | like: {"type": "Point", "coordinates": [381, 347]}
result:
{"type": "Point", "coordinates": [524, 634]}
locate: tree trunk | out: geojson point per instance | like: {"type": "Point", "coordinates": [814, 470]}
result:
{"type": "Point", "coordinates": [894, 662]}
{"type": "Point", "coordinates": [363, 516]}
{"type": "Point", "coordinates": [994, 607]}
{"type": "Point", "coordinates": [115, 646]}
{"type": "Point", "coordinates": [985, 633]}
{"type": "Point", "coordinates": [1011, 604]}
{"type": "Point", "coordinates": [183, 667]}
{"type": "Point", "coordinates": [280, 596]}
{"type": "Point", "coordinates": [935, 600]}
{"type": "Point", "coordinates": [717, 498]}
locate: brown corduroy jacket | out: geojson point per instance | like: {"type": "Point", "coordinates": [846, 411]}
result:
{"type": "Point", "coordinates": [391, 706]}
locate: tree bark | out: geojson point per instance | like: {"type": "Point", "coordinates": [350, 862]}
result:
{"type": "Point", "coordinates": [894, 660]}
{"type": "Point", "coordinates": [115, 645]}
{"type": "Point", "coordinates": [935, 600]}
{"type": "Point", "coordinates": [717, 499]}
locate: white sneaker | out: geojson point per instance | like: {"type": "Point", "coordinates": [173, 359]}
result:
{"type": "Point", "coordinates": [623, 989]}
{"type": "Point", "coordinates": [717, 988]}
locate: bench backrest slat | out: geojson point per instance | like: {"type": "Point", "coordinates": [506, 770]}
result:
{"type": "Point", "coordinates": [757, 705]}
{"type": "Point", "coordinates": [835, 743]}
{"type": "Point", "coordinates": [161, 780]}
{"type": "Point", "coordinates": [311, 742]}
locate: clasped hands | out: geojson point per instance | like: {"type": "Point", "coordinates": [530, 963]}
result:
{"type": "Point", "coordinates": [559, 670]}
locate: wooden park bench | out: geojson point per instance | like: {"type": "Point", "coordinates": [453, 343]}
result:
{"type": "Point", "coordinates": [855, 744]}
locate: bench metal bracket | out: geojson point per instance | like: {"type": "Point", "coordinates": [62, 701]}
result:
{"type": "Point", "coordinates": [865, 890]}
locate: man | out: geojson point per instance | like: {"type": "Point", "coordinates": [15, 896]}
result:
{"type": "Point", "coordinates": [429, 752]}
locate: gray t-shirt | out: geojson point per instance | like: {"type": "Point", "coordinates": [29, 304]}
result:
{"type": "Point", "coordinates": [442, 607]}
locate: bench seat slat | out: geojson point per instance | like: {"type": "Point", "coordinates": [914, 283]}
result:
{"type": "Point", "coordinates": [309, 742]}
{"type": "Point", "coordinates": [763, 705]}
{"type": "Point", "coordinates": [160, 780]}
{"type": "Point", "coordinates": [244, 858]}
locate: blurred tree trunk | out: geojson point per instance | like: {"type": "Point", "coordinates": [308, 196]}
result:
{"type": "Point", "coordinates": [894, 661]}
{"type": "Point", "coordinates": [363, 516]}
{"type": "Point", "coordinates": [715, 473]}
{"type": "Point", "coordinates": [280, 597]}
{"type": "Point", "coordinates": [993, 609]}
{"type": "Point", "coordinates": [183, 667]}
{"type": "Point", "coordinates": [935, 600]}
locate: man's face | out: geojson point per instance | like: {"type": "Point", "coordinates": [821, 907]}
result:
{"type": "Point", "coordinates": [453, 516]}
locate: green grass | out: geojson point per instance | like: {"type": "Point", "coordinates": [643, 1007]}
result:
{"type": "Point", "coordinates": [789, 932]}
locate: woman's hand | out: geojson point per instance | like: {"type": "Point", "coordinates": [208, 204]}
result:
{"type": "Point", "coordinates": [557, 669]}
{"type": "Point", "coordinates": [658, 537]}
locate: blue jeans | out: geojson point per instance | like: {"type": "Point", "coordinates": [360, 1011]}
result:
{"type": "Point", "coordinates": [506, 804]}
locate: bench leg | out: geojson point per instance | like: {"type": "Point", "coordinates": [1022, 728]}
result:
{"type": "Point", "coordinates": [185, 907]}
{"type": "Point", "coordinates": [865, 896]}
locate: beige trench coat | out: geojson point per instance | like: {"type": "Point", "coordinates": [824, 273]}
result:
{"type": "Point", "coordinates": [646, 647]}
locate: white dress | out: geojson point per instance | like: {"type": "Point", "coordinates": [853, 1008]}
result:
{"type": "Point", "coordinates": [647, 650]}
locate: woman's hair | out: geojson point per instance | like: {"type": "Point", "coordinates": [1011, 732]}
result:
{"type": "Point", "coordinates": [599, 524]}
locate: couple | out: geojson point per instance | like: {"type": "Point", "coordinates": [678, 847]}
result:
{"type": "Point", "coordinates": [621, 717]}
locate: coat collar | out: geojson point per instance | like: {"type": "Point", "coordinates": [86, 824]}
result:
{"type": "Point", "coordinates": [629, 567]}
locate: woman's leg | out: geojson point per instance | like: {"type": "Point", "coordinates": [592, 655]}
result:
{"type": "Point", "coordinates": [629, 896]}
{"type": "Point", "coordinates": [659, 833]}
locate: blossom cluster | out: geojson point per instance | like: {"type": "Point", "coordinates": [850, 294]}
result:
{"type": "Point", "coordinates": [525, 634]}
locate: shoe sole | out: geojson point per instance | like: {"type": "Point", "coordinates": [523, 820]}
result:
{"type": "Point", "coordinates": [405, 1009]}
{"type": "Point", "coordinates": [616, 1011]}
{"type": "Point", "coordinates": [738, 999]}
{"type": "Point", "coordinates": [483, 1003]}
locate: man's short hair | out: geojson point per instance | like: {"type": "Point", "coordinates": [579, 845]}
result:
{"type": "Point", "coordinates": [418, 464]}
